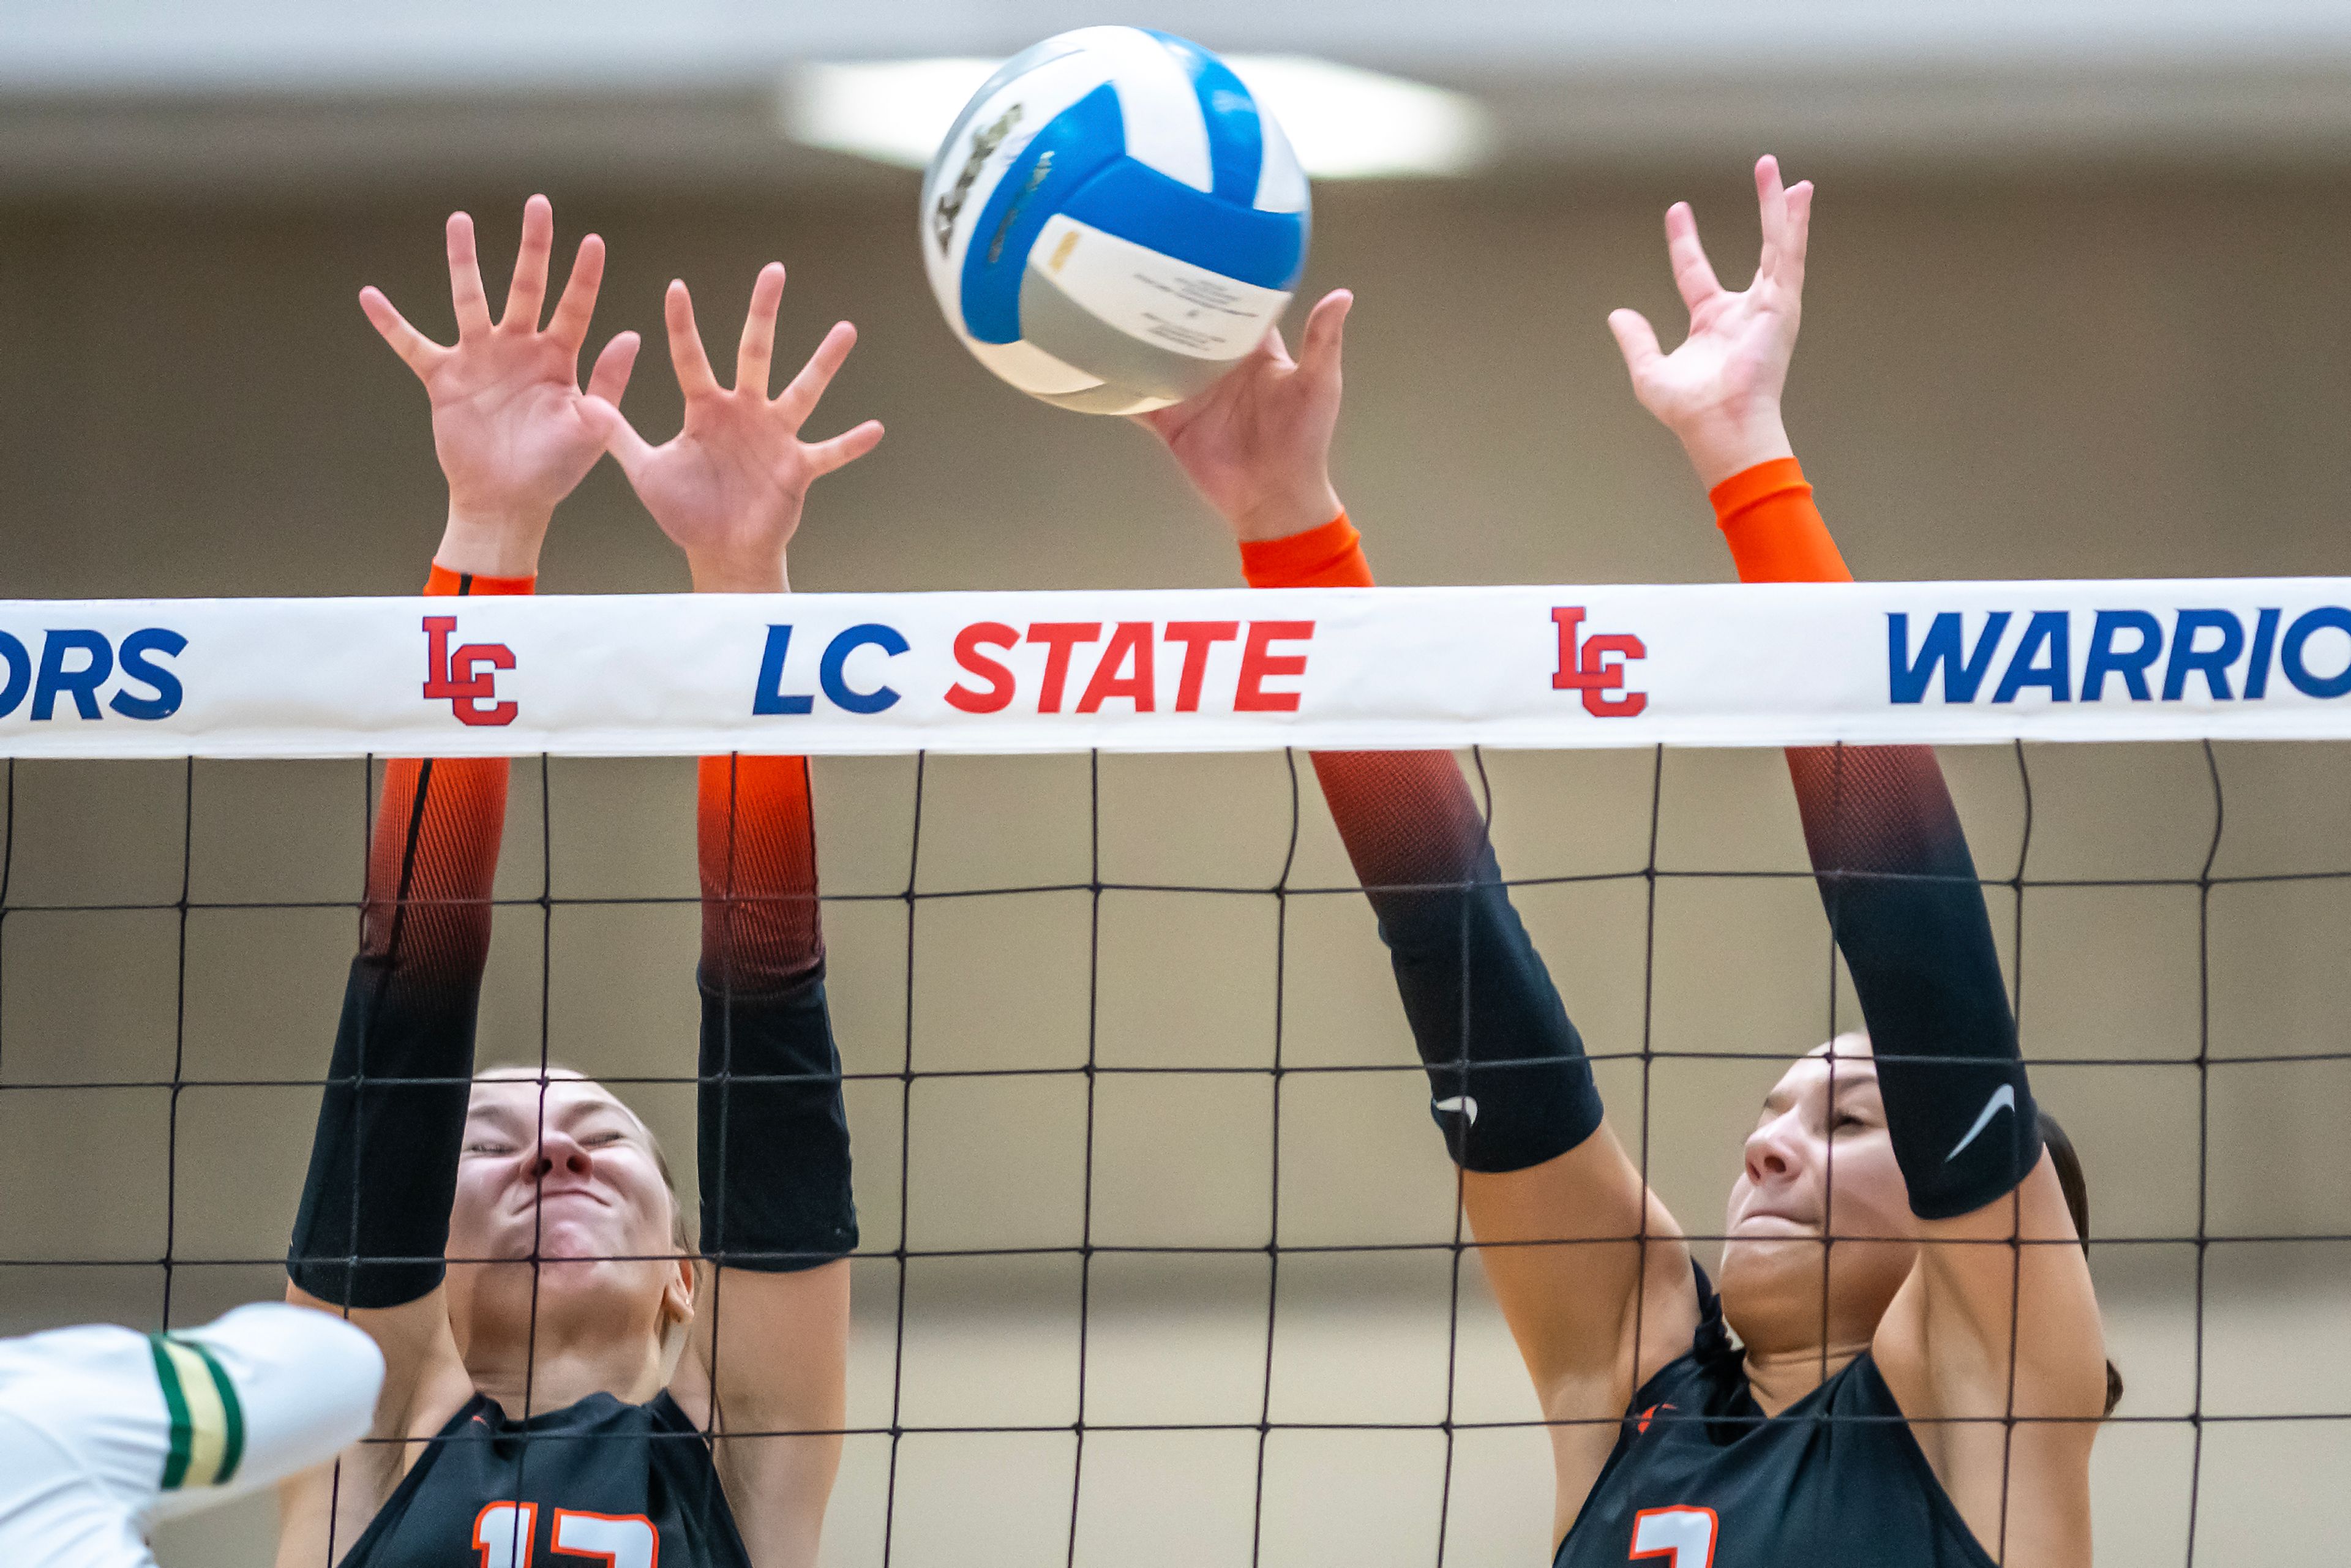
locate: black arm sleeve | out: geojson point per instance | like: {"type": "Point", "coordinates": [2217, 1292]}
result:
{"type": "Point", "coordinates": [1902, 897]}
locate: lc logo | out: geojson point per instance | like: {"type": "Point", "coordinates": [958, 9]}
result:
{"type": "Point", "coordinates": [459, 678]}
{"type": "Point", "coordinates": [1589, 669]}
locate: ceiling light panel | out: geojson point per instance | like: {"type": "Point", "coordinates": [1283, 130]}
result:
{"type": "Point", "coordinates": [1346, 123]}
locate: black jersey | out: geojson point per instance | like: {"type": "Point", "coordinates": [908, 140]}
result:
{"type": "Point", "coordinates": [1701, 1478]}
{"type": "Point", "coordinates": [627, 1486]}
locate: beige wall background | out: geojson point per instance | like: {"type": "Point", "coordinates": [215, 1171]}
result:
{"type": "Point", "coordinates": [2106, 372]}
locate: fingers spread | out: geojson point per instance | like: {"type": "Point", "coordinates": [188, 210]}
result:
{"type": "Point", "coordinates": [1636, 340]}
{"type": "Point", "coordinates": [417, 352]}
{"type": "Point", "coordinates": [759, 346]}
{"type": "Point", "coordinates": [685, 355]}
{"type": "Point", "coordinates": [527, 292]}
{"type": "Point", "coordinates": [465, 278]}
{"type": "Point", "coordinates": [799, 400]}
{"type": "Point", "coordinates": [610, 379]}
{"type": "Point", "coordinates": [568, 326]}
{"type": "Point", "coordinates": [843, 450]}
{"type": "Point", "coordinates": [1326, 330]}
{"type": "Point", "coordinates": [1693, 274]}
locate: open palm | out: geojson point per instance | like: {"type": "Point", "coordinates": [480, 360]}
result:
{"type": "Point", "coordinates": [1726, 379]}
{"type": "Point", "coordinates": [729, 486]}
{"type": "Point", "coordinates": [508, 420]}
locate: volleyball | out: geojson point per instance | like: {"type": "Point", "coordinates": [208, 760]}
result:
{"type": "Point", "coordinates": [1114, 220]}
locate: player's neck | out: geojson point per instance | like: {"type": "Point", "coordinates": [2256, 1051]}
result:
{"type": "Point", "coordinates": [570, 1356]}
{"type": "Point", "coordinates": [1779, 1377]}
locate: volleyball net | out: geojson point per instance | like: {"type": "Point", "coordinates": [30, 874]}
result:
{"type": "Point", "coordinates": [1161, 1259]}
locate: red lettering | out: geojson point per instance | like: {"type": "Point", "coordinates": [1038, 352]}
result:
{"type": "Point", "coordinates": [1197, 637]}
{"type": "Point", "coordinates": [457, 679]}
{"type": "Point", "coordinates": [1603, 678]}
{"type": "Point", "coordinates": [1058, 637]}
{"type": "Point", "coordinates": [1000, 684]}
{"type": "Point", "coordinates": [1130, 643]}
{"type": "Point", "coordinates": [1587, 669]}
{"type": "Point", "coordinates": [1258, 663]}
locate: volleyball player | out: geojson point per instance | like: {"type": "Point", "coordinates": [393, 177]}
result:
{"type": "Point", "coordinates": [1924, 1391]}
{"type": "Point", "coordinates": [527, 1410]}
{"type": "Point", "coordinates": [105, 1431]}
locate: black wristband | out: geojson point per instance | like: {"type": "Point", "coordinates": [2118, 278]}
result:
{"type": "Point", "coordinates": [374, 1219]}
{"type": "Point", "coordinates": [773, 1135]}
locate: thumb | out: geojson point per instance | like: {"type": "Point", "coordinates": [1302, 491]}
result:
{"type": "Point", "coordinates": [1326, 331]}
{"type": "Point", "coordinates": [1638, 342]}
{"type": "Point", "coordinates": [610, 377]}
{"type": "Point", "coordinates": [620, 437]}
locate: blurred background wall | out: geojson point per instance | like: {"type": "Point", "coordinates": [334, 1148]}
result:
{"type": "Point", "coordinates": [2075, 310]}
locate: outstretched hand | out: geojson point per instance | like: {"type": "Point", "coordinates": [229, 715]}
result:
{"type": "Point", "coordinates": [1258, 443]}
{"type": "Point", "coordinates": [507, 409]}
{"type": "Point", "coordinates": [729, 486]}
{"type": "Point", "coordinates": [1719, 391]}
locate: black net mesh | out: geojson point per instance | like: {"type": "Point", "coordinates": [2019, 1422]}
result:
{"type": "Point", "coordinates": [163, 1032]}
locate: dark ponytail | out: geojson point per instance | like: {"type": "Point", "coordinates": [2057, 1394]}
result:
{"type": "Point", "coordinates": [2070, 1181]}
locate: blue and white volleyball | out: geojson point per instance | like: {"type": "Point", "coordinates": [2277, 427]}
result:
{"type": "Point", "coordinates": [1114, 221]}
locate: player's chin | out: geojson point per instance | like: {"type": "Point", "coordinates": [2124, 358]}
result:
{"type": "Point", "coordinates": [1768, 1245]}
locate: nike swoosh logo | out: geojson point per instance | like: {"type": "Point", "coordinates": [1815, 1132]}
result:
{"type": "Point", "coordinates": [1460, 1106]}
{"type": "Point", "coordinates": [2002, 1099]}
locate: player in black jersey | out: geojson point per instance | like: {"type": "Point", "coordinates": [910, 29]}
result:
{"type": "Point", "coordinates": [1918, 1370]}
{"type": "Point", "coordinates": [513, 1242]}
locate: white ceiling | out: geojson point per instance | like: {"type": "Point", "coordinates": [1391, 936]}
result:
{"type": "Point", "coordinates": [207, 92]}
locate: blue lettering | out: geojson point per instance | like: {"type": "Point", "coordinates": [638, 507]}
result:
{"type": "Point", "coordinates": [770, 697]}
{"type": "Point", "coordinates": [138, 666]}
{"type": "Point", "coordinates": [2048, 628]}
{"type": "Point", "coordinates": [80, 684]}
{"type": "Point", "coordinates": [20, 674]}
{"type": "Point", "coordinates": [2105, 659]}
{"type": "Point", "coordinates": [2290, 656]}
{"type": "Point", "coordinates": [2212, 663]}
{"type": "Point", "coordinates": [2257, 668]}
{"type": "Point", "coordinates": [836, 656]}
{"type": "Point", "coordinates": [1941, 644]}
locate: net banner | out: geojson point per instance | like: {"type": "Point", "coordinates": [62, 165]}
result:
{"type": "Point", "coordinates": [670, 674]}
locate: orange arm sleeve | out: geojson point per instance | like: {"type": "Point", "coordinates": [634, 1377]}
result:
{"type": "Point", "coordinates": [434, 854]}
{"type": "Point", "coordinates": [760, 932]}
{"type": "Point", "coordinates": [1775, 532]}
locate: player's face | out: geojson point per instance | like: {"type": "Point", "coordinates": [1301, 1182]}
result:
{"type": "Point", "coordinates": [1819, 1165]}
{"type": "Point", "coordinates": [569, 1174]}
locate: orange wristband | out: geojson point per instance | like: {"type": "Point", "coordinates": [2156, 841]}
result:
{"type": "Point", "coordinates": [1329, 557]}
{"type": "Point", "coordinates": [445, 584]}
{"type": "Point", "coordinates": [1776, 533]}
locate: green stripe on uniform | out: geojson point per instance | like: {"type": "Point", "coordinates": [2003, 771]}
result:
{"type": "Point", "coordinates": [231, 1415]}
{"type": "Point", "coordinates": [208, 1421]}
{"type": "Point", "coordinates": [175, 1401]}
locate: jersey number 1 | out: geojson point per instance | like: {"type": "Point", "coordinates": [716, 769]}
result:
{"type": "Point", "coordinates": [1685, 1536]}
{"type": "Point", "coordinates": [503, 1534]}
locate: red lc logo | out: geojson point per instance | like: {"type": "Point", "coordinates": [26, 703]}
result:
{"type": "Point", "coordinates": [1589, 670]}
{"type": "Point", "coordinates": [459, 678]}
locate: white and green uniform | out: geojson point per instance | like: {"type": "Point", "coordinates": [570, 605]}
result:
{"type": "Point", "coordinates": [105, 1430]}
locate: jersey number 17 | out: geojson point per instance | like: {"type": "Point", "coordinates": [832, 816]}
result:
{"type": "Point", "coordinates": [503, 1531]}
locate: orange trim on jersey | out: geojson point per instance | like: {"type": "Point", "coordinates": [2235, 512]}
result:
{"type": "Point", "coordinates": [445, 584]}
{"type": "Point", "coordinates": [1329, 557]}
{"type": "Point", "coordinates": [1775, 532]}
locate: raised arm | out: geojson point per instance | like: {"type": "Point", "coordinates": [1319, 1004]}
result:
{"type": "Point", "coordinates": [767, 1366]}
{"type": "Point", "coordinates": [1558, 1209]}
{"type": "Point", "coordinates": [1997, 1319]}
{"type": "Point", "coordinates": [374, 1217]}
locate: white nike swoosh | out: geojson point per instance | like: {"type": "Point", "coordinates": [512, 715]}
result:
{"type": "Point", "coordinates": [1460, 1106]}
{"type": "Point", "coordinates": [2002, 1099]}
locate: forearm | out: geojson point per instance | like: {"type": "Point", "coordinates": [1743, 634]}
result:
{"type": "Point", "coordinates": [383, 1160]}
{"type": "Point", "coordinates": [1904, 902]}
{"type": "Point", "coordinates": [1507, 1080]}
{"type": "Point", "coordinates": [773, 1149]}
